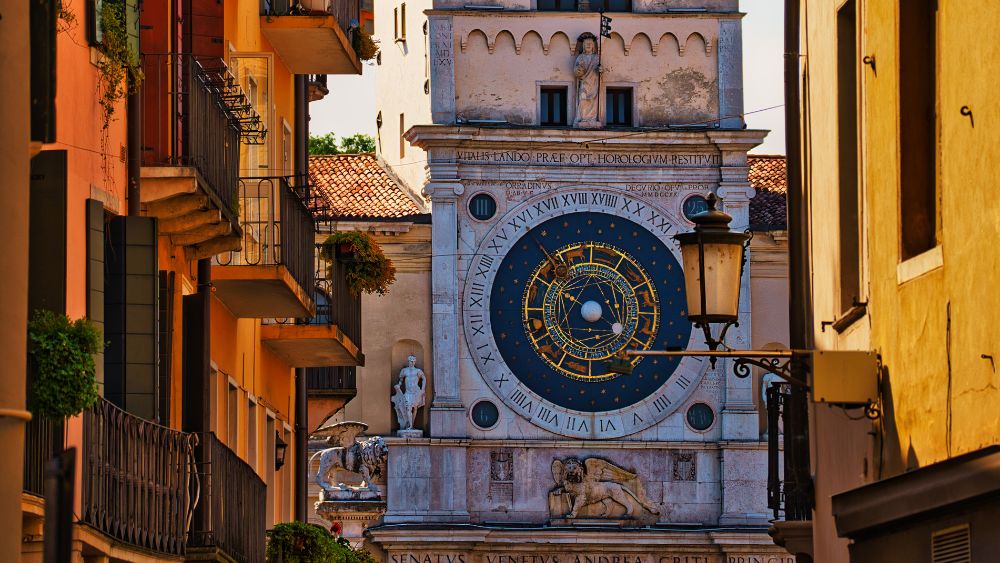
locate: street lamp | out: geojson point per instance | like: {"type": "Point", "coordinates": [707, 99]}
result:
{"type": "Point", "coordinates": [713, 258]}
{"type": "Point", "coordinates": [280, 448]}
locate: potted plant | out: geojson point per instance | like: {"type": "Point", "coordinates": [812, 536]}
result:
{"type": "Point", "coordinates": [368, 270]}
{"type": "Point", "coordinates": [62, 354]}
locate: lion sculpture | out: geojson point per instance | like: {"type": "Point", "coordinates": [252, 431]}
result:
{"type": "Point", "coordinates": [598, 481]}
{"type": "Point", "coordinates": [364, 458]}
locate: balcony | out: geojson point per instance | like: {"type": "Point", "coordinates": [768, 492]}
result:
{"type": "Point", "coordinates": [139, 485]}
{"type": "Point", "coordinates": [271, 275]}
{"type": "Point", "coordinates": [317, 87]}
{"type": "Point", "coordinates": [231, 519]}
{"type": "Point", "coordinates": [789, 488]}
{"type": "Point", "coordinates": [312, 36]}
{"type": "Point", "coordinates": [330, 338]}
{"type": "Point", "coordinates": [194, 117]}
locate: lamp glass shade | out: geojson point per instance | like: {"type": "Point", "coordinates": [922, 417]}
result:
{"type": "Point", "coordinates": [723, 265]}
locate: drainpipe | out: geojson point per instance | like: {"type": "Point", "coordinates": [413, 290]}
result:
{"type": "Point", "coordinates": [301, 403]}
{"type": "Point", "coordinates": [797, 471]}
{"type": "Point", "coordinates": [133, 140]}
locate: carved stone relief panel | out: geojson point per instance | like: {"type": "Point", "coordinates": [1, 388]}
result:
{"type": "Point", "coordinates": [684, 466]}
{"type": "Point", "coordinates": [502, 478]}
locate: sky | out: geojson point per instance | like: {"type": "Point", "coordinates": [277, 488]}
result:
{"type": "Point", "coordinates": [350, 107]}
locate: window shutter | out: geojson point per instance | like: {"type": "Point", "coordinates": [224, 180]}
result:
{"type": "Point", "coordinates": [952, 545]}
{"type": "Point", "coordinates": [130, 315]}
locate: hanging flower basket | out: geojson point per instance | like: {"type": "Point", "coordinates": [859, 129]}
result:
{"type": "Point", "coordinates": [368, 270]}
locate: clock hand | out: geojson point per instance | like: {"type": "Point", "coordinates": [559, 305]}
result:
{"type": "Point", "coordinates": [561, 269]}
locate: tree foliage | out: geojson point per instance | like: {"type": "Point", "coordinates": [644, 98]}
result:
{"type": "Point", "coordinates": [354, 144]}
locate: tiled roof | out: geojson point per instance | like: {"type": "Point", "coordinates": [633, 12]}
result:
{"type": "Point", "coordinates": [767, 208]}
{"type": "Point", "coordinates": [355, 186]}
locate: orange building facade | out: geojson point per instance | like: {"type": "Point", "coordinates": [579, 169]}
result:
{"type": "Point", "coordinates": [183, 231]}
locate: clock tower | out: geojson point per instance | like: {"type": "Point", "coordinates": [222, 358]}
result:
{"type": "Point", "coordinates": [559, 165]}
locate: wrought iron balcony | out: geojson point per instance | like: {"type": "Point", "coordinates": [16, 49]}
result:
{"type": "Point", "coordinates": [40, 441]}
{"type": "Point", "coordinates": [332, 336]}
{"type": "Point", "coordinates": [313, 36]}
{"type": "Point", "coordinates": [318, 88]}
{"type": "Point", "coordinates": [232, 514]}
{"type": "Point", "coordinates": [340, 381]}
{"type": "Point", "coordinates": [194, 117]}
{"type": "Point", "coordinates": [139, 482]}
{"type": "Point", "coordinates": [273, 273]}
{"type": "Point", "coordinates": [789, 492]}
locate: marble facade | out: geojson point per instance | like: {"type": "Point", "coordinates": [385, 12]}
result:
{"type": "Point", "coordinates": [466, 492]}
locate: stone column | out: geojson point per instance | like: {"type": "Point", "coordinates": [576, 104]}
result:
{"type": "Point", "coordinates": [730, 54]}
{"type": "Point", "coordinates": [739, 414]}
{"type": "Point", "coordinates": [447, 413]}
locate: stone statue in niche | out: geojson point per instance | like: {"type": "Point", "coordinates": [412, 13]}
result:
{"type": "Point", "coordinates": [408, 396]}
{"type": "Point", "coordinates": [582, 485]}
{"type": "Point", "coordinates": [364, 458]}
{"type": "Point", "coordinates": [587, 70]}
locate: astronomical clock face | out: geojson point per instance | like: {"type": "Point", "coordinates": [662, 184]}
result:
{"type": "Point", "coordinates": [557, 289]}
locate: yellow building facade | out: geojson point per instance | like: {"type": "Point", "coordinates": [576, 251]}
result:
{"type": "Point", "coordinates": [898, 164]}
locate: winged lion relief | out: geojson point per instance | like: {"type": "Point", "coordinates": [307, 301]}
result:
{"type": "Point", "coordinates": [596, 488]}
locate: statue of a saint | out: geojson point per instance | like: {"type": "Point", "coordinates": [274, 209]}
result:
{"type": "Point", "coordinates": [408, 393]}
{"type": "Point", "coordinates": [587, 70]}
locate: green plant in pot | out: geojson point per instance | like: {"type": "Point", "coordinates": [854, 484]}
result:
{"type": "Point", "coordinates": [62, 353]}
{"type": "Point", "coordinates": [368, 270]}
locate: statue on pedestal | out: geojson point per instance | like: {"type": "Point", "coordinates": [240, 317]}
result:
{"type": "Point", "coordinates": [364, 458]}
{"type": "Point", "coordinates": [408, 396]}
{"type": "Point", "coordinates": [587, 70]}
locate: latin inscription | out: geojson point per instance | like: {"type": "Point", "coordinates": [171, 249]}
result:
{"type": "Point", "coordinates": [588, 558]}
{"type": "Point", "coordinates": [565, 158]}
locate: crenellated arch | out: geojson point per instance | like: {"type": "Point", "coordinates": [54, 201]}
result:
{"type": "Point", "coordinates": [475, 35]}
{"type": "Point", "coordinates": [706, 44]}
{"type": "Point", "coordinates": [530, 37]}
{"type": "Point", "coordinates": [559, 38]}
{"type": "Point", "coordinates": [506, 37]}
{"type": "Point", "coordinates": [640, 40]}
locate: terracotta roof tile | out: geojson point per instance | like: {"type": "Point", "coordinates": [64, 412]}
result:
{"type": "Point", "coordinates": [354, 185]}
{"type": "Point", "coordinates": [767, 208]}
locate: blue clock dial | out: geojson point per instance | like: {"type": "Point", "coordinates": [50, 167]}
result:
{"type": "Point", "coordinates": [578, 289]}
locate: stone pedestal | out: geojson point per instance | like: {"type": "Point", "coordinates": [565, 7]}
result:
{"type": "Point", "coordinates": [354, 516]}
{"type": "Point", "coordinates": [410, 433]}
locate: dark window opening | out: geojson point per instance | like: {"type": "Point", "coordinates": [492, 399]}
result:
{"type": "Point", "coordinates": [917, 126]}
{"type": "Point", "coordinates": [557, 5]}
{"type": "Point", "coordinates": [847, 147]}
{"type": "Point", "coordinates": [610, 5]}
{"type": "Point", "coordinates": [553, 106]}
{"type": "Point", "coordinates": [619, 107]}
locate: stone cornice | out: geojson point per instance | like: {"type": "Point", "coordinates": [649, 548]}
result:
{"type": "Point", "coordinates": [531, 138]}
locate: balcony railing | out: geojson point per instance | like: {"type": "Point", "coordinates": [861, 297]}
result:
{"type": "Point", "coordinates": [340, 380]}
{"type": "Point", "coordinates": [195, 114]}
{"type": "Point", "coordinates": [139, 481]}
{"type": "Point", "coordinates": [277, 227]}
{"type": "Point", "coordinates": [40, 439]}
{"type": "Point", "coordinates": [347, 12]}
{"type": "Point", "coordinates": [232, 513]}
{"type": "Point", "coordinates": [335, 304]}
{"type": "Point", "coordinates": [789, 498]}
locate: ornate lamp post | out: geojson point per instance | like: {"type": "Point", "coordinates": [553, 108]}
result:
{"type": "Point", "coordinates": [713, 257]}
